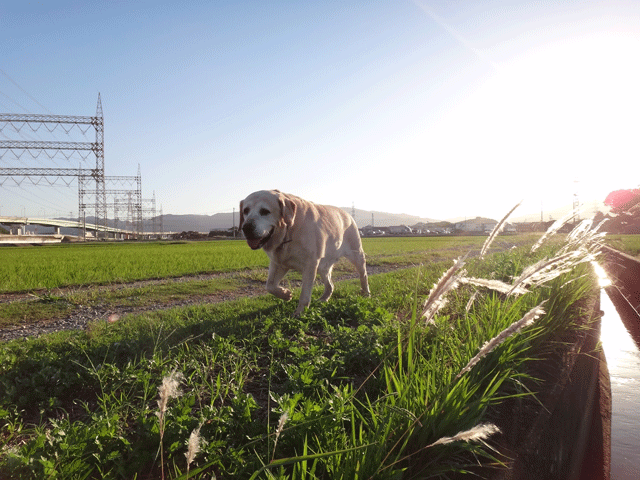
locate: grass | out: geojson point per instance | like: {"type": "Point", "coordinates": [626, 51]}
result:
{"type": "Point", "coordinates": [54, 266]}
{"type": "Point", "coordinates": [94, 281]}
{"type": "Point", "coordinates": [50, 267]}
{"type": "Point", "coordinates": [418, 250]}
{"type": "Point", "coordinates": [629, 244]}
{"type": "Point", "coordinates": [354, 388]}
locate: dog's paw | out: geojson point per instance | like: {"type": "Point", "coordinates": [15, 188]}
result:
{"type": "Point", "coordinates": [285, 294]}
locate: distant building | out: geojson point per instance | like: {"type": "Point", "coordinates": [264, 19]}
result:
{"type": "Point", "coordinates": [476, 225]}
{"type": "Point", "coordinates": [433, 228]}
{"type": "Point", "coordinates": [399, 230]}
{"type": "Point", "coordinates": [482, 225]}
{"type": "Point", "coordinates": [525, 227]}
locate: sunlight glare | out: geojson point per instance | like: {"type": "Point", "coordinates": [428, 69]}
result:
{"type": "Point", "coordinates": [603, 279]}
{"type": "Point", "coordinates": [563, 112]}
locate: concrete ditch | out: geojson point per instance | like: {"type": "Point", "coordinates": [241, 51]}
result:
{"type": "Point", "coordinates": [566, 435]}
{"type": "Point", "coordinates": [569, 437]}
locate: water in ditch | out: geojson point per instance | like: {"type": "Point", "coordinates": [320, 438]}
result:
{"type": "Point", "coordinates": [623, 361]}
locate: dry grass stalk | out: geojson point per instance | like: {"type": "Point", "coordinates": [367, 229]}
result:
{"type": "Point", "coordinates": [472, 299]}
{"type": "Point", "coordinates": [496, 285]}
{"type": "Point", "coordinates": [546, 270]}
{"type": "Point", "coordinates": [478, 433]}
{"type": "Point", "coordinates": [169, 389]}
{"type": "Point", "coordinates": [496, 231]}
{"type": "Point", "coordinates": [514, 328]}
{"type": "Point", "coordinates": [447, 282]}
{"type": "Point", "coordinates": [281, 422]}
{"type": "Point", "coordinates": [586, 237]}
{"type": "Point", "coordinates": [193, 446]}
{"type": "Point", "coordinates": [553, 229]}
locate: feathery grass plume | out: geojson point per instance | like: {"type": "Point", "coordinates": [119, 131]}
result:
{"type": "Point", "coordinates": [447, 282]}
{"type": "Point", "coordinates": [580, 230]}
{"type": "Point", "coordinates": [480, 432]}
{"type": "Point", "coordinates": [472, 299]}
{"type": "Point", "coordinates": [496, 285]}
{"type": "Point", "coordinates": [512, 329]}
{"type": "Point", "coordinates": [546, 270]}
{"type": "Point", "coordinates": [168, 389]}
{"type": "Point", "coordinates": [553, 229]}
{"type": "Point", "coordinates": [281, 422]}
{"type": "Point", "coordinates": [585, 236]}
{"type": "Point", "coordinates": [496, 231]}
{"type": "Point", "coordinates": [193, 446]}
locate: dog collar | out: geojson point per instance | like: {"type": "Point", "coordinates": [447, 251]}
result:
{"type": "Point", "coordinates": [283, 242]}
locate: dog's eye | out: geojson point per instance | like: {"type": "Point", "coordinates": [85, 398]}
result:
{"type": "Point", "coordinates": [246, 211]}
{"type": "Point", "coordinates": [264, 212]}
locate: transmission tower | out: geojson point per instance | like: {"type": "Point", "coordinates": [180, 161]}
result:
{"type": "Point", "coordinates": [129, 198]}
{"type": "Point", "coordinates": [33, 122]}
{"type": "Point", "coordinates": [149, 207]}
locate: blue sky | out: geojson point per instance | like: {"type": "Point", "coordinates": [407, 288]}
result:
{"type": "Point", "coordinates": [441, 109]}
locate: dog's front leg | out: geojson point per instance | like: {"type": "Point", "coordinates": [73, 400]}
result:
{"type": "Point", "coordinates": [308, 277]}
{"type": "Point", "coordinates": [276, 274]}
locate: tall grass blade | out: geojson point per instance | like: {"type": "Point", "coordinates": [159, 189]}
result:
{"type": "Point", "coordinates": [288, 461]}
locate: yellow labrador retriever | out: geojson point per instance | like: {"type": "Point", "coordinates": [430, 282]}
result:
{"type": "Point", "coordinates": [299, 235]}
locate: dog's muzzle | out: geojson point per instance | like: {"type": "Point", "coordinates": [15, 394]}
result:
{"type": "Point", "coordinates": [255, 241]}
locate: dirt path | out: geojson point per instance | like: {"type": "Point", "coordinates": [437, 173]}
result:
{"type": "Point", "coordinates": [83, 314]}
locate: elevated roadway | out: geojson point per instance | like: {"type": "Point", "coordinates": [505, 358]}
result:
{"type": "Point", "coordinates": [18, 223]}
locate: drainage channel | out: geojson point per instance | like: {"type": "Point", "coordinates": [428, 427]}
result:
{"type": "Point", "coordinates": [623, 361]}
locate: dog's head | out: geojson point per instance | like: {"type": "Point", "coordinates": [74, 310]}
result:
{"type": "Point", "coordinates": [264, 217]}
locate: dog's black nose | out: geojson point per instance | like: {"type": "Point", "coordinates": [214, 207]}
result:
{"type": "Point", "coordinates": [248, 230]}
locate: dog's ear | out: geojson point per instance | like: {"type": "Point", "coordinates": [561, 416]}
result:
{"type": "Point", "coordinates": [241, 216]}
{"type": "Point", "coordinates": [288, 209]}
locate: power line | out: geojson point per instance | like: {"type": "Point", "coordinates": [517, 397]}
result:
{"type": "Point", "coordinates": [24, 91]}
{"type": "Point", "coordinates": [13, 101]}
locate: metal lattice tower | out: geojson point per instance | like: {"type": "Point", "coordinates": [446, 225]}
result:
{"type": "Point", "coordinates": [101, 196]}
{"type": "Point", "coordinates": [149, 207]}
{"type": "Point", "coordinates": [125, 194]}
{"type": "Point", "coordinates": [36, 174]}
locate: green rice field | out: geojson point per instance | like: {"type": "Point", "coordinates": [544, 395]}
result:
{"type": "Point", "coordinates": [53, 266]}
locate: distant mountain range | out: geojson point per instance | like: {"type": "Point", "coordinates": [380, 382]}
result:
{"type": "Point", "coordinates": [223, 221]}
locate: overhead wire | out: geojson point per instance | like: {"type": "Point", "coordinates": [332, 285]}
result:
{"type": "Point", "coordinates": [52, 157]}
